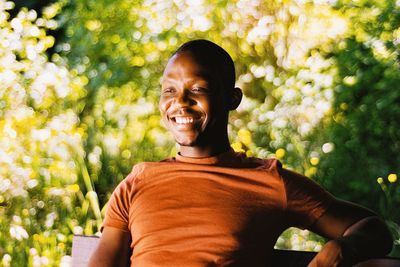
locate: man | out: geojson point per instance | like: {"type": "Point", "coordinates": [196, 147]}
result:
{"type": "Point", "coordinates": [210, 206]}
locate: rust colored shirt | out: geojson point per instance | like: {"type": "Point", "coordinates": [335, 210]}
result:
{"type": "Point", "coordinates": [226, 210]}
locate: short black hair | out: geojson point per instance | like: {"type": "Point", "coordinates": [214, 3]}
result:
{"type": "Point", "coordinates": [212, 55]}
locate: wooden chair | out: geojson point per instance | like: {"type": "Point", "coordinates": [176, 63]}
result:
{"type": "Point", "coordinates": [83, 246]}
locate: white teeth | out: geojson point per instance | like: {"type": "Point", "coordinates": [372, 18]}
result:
{"type": "Point", "coordinates": [183, 120]}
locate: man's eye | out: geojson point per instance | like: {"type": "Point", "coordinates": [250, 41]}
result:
{"type": "Point", "coordinates": [168, 90]}
{"type": "Point", "coordinates": [201, 90]}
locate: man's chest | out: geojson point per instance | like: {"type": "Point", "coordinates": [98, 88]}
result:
{"type": "Point", "coordinates": [205, 206]}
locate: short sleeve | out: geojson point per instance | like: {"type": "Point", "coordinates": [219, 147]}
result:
{"type": "Point", "coordinates": [306, 201]}
{"type": "Point", "coordinates": [117, 212]}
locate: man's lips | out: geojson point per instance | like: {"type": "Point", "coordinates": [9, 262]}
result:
{"type": "Point", "coordinates": [184, 120]}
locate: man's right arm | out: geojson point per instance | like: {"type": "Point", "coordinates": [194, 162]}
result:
{"type": "Point", "coordinates": [113, 249]}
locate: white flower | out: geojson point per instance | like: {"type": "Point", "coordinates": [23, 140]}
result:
{"type": "Point", "coordinates": [18, 232]}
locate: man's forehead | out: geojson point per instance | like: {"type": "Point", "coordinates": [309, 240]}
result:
{"type": "Point", "coordinates": [173, 72]}
{"type": "Point", "coordinates": [200, 75]}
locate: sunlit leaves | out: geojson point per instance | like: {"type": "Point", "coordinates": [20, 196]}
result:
{"type": "Point", "coordinates": [39, 140]}
{"type": "Point", "coordinates": [284, 62]}
{"type": "Point", "coordinates": [72, 125]}
{"type": "Point", "coordinates": [365, 125]}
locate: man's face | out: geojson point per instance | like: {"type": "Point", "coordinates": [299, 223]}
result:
{"type": "Point", "coordinates": [191, 102]}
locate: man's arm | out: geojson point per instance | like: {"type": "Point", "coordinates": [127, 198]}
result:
{"type": "Point", "coordinates": [113, 249]}
{"type": "Point", "coordinates": [356, 234]}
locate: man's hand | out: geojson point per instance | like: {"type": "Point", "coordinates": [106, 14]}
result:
{"type": "Point", "coordinates": [356, 234]}
{"type": "Point", "coordinates": [331, 255]}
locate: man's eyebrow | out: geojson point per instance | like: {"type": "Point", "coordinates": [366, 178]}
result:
{"type": "Point", "coordinates": [200, 80]}
{"type": "Point", "coordinates": [203, 76]}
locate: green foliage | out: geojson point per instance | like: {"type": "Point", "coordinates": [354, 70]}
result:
{"type": "Point", "coordinates": [365, 128]}
{"type": "Point", "coordinates": [123, 45]}
{"type": "Point", "coordinates": [321, 85]}
{"type": "Point", "coordinates": [40, 201]}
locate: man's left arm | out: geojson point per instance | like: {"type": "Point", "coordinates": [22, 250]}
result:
{"type": "Point", "coordinates": [356, 234]}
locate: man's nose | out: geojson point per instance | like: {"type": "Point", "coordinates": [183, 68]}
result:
{"type": "Point", "coordinates": [183, 98]}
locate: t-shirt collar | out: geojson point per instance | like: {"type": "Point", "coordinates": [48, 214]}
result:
{"type": "Point", "coordinates": [220, 159]}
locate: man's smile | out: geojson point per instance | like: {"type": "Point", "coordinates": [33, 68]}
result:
{"type": "Point", "coordinates": [185, 121]}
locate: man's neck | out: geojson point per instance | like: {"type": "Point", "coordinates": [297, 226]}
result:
{"type": "Point", "coordinates": [204, 151]}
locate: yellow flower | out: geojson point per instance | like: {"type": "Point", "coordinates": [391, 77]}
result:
{"type": "Point", "coordinates": [73, 187]}
{"type": "Point", "coordinates": [392, 178]}
{"type": "Point", "coordinates": [280, 153]}
{"type": "Point", "coordinates": [84, 80]}
{"type": "Point", "coordinates": [237, 147]}
{"type": "Point", "coordinates": [311, 172]}
{"type": "Point", "coordinates": [61, 246]}
{"type": "Point", "coordinates": [137, 61]}
{"type": "Point", "coordinates": [314, 161]}
{"type": "Point", "coordinates": [36, 237]}
{"type": "Point", "coordinates": [245, 136]}
{"type": "Point", "coordinates": [93, 25]}
{"type": "Point", "coordinates": [379, 180]}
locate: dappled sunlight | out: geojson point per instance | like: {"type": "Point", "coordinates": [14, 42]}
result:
{"type": "Point", "coordinates": [77, 111]}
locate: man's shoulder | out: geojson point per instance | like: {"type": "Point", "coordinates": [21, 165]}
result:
{"type": "Point", "coordinates": [264, 163]}
{"type": "Point", "coordinates": [145, 167]}
{"type": "Point", "coordinates": [141, 167]}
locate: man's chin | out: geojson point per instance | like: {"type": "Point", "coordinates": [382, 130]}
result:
{"type": "Point", "coordinates": [186, 142]}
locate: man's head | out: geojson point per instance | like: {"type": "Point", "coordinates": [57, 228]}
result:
{"type": "Point", "coordinates": [198, 92]}
{"type": "Point", "coordinates": [214, 58]}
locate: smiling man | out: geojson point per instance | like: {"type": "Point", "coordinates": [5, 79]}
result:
{"type": "Point", "coordinates": [195, 100]}
{"type": "Point", "coordinates": [211, 206]}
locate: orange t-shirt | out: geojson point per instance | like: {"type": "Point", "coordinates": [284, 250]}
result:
{"type": "Point", "coordinates": [226, 210]}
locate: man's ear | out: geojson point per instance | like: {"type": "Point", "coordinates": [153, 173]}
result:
{"type": "Point", "coordinates": [235, 99]}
